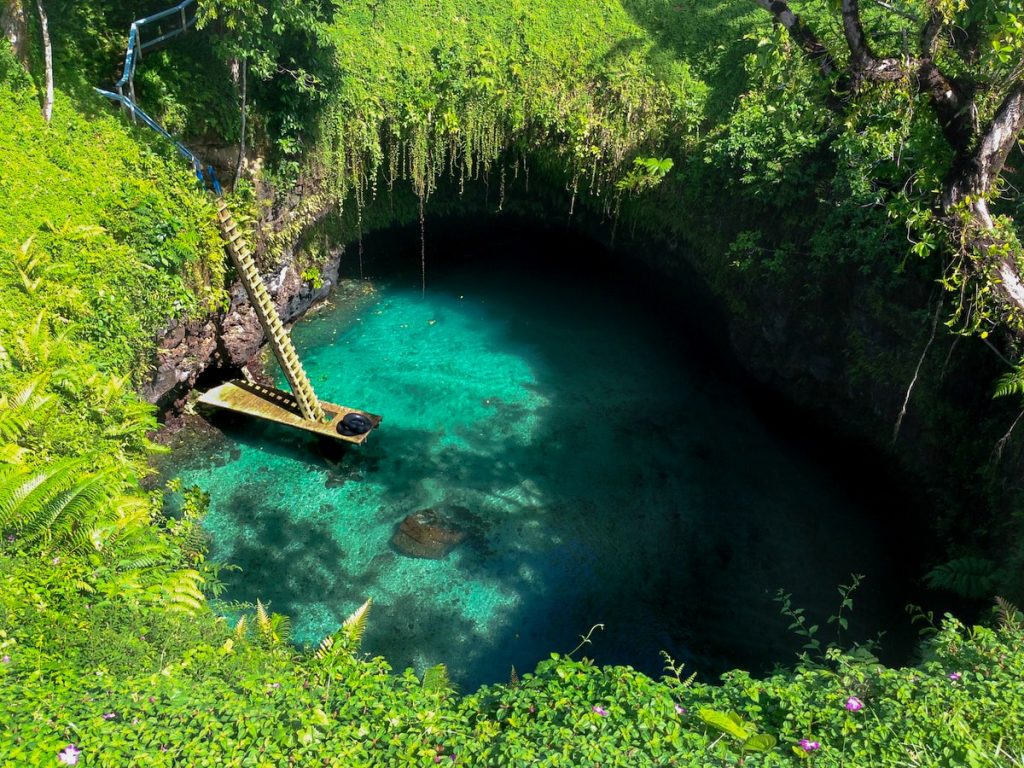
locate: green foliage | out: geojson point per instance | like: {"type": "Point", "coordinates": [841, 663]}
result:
{"type": "Point", "coordinates": [456, 88]}
{"type": "Point", "coordinates": [974, 577]}
{"type": "Point", "coordinates": [1010, 383]}
{"type": "Point", "coordinates": [102, 242]}
{"type": "Point", "coordinates": [436, 680]}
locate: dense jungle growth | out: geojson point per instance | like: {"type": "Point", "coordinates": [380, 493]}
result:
{"type": "Point", "coordinates": [868, 155]}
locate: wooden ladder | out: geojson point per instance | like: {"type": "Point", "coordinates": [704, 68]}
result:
{"type": "Point", "coordinates": [270, 320]}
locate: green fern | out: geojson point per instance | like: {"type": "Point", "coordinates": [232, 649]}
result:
{"type": "Point", "coordinates": [54, 504]}
{"type": "Point", "coordinates": [179, 591]}
{"type": "Point", "coordinates": [972, 577]}
{"type": "Point", "coordinates": [272, 629]}
{"type": "Point", "coordinates": [354, 626]}
{"type": "Point", "coordinates": [21, 411]}
{"type": "Point", "coordinates": [436, 680]}
{"type": "Point", "coordinates": [241, 629]}
{"type": "Point", "coordinates": [1011, 383]}
{"type": "Point", "coordinates": [1009, 616]}
{"type": "Point", "coordinates": [29, 268]}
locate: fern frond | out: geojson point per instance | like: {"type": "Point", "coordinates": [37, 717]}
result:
{"type": "Point", "coordinates": [20, 412]}
{"type": "Point", "coordinates": [1011, 383]}
{"type": "Point", "coordinates": [272, 629]}
{"type": "Point", "coordinates": [241, 629]}
{"type": "Point", "coordinates": [972, 577]}
{"type": "Point", "coordinates": [55, 518]}
{"type": "Point", "coordinates": [1009, 616]}
{"type": "Point", "coordinates": [355, 625]}
{"type": "Point", "coordinates": [16, 485]}
{"type": "Point", "coordinates": [513, 678]}
{"type": "Point", "coordinates": [141, 556]}
{"type": "Point", "coordinates": [263, 626]}
{"type": "Point", "coordinates": [325, 649]}
{"type": "Point", "coordinates": [180, 591]}
{"type": "Point", "coordinates": [436, 680]}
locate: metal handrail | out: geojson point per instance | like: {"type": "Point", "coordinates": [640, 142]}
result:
{"type": "Point", "coordinates": [205, 173]}
{"type": "Point", "coordinates": [135, 47]}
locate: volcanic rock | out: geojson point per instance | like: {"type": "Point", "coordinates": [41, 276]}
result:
{"type": "Point", "coordinates": [426, 534]}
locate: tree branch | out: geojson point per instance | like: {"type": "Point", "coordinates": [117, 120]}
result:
{"type": "Point", "coordinates": [891, 7]}
{"type": "Point", "coordinates": [930, 34]}
{"type": "Point", "coordinates": [860, 52]}
{"type": "Point", "coordinates": [1001, 136]}
{"type": "Point", "coordinates": [802, 34]}
{"type": "Point", "coordinates": [47, 61]}
{"type": "Point", "coordinates": [917, 372]}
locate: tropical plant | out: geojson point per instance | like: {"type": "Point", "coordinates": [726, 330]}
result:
{"type": "Point", "coordinates": [969, 576]}
{"type": "Point", "coordinates": [54, 507]}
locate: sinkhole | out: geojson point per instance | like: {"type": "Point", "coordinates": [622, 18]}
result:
{"type": "Point", "coordinates": [588, 454]}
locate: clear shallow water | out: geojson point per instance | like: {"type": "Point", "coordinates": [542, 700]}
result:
{"type": "Point", "coordinates": [604, 476]}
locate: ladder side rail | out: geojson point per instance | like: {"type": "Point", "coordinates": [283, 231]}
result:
{"type": "Point", "coordinates": [270, 321]}
{"type": "Point", "coordinates": [281, 346]}
{"type": "Point", "coordinates": [135, 44]}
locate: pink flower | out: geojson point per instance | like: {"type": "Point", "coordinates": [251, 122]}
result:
{"type": "Point", "coordinates": [109, 715]}
{"type": "Point", "coordinates": [680, 709]}
{"type": "Point", "coordinates": [954, 676]}
{"type": "Point", "coordinates": [69, 755]}
{"type": "Point", "coordinates": [5, 659]}
{"type": "Point", "coordinates": [809, 746]}
{"type": "Point", "coordinates": [853, 704]}
{"type": "Point", "coordinates": [599, 711]}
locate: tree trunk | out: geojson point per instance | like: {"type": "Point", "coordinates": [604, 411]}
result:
{"type": "Point", "coordinates": [47, 62]}
{"type": "Point", "coordinates": [14, 26]}
{"type": "Point", "coordinates": [980, 154]}
{"type": "Point", "coordinates": [241, 141]}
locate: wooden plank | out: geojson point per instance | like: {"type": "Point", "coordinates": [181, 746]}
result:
{"type": "Point", "coordinates": [281, 407]}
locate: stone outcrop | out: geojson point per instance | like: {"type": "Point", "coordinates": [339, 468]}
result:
{"type": "Point", "coordinates": [427, 534]}
{"type": "Point", "coordinates": [185, 350]}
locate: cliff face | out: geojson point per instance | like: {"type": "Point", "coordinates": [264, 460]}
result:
{"type": "Point", "coordinates": [229, 341]}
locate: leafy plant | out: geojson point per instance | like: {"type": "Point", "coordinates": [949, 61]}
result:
{"type": "Point", "coordinates": [742, 734]}
{"type": "Point", "coordinates": [970, 576]}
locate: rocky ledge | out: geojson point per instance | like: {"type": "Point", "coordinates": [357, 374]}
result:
{"type": "Point", "coordinates": [230, 340]}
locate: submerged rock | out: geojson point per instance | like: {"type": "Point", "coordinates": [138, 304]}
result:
{"type": "Point", "coordinates": [427, 534]}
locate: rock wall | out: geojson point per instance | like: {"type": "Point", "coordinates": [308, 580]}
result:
{"type": "Point", "coordinates": [231, 340]}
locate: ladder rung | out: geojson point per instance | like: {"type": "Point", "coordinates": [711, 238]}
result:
{"type": "Point", "coordinates": [303, 394]}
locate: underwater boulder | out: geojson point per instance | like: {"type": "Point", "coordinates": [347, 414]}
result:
{"type": "Point", "coordinates": [427, 534]}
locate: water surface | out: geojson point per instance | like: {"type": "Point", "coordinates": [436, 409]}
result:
{"type": "Point", "coordinates": [601, 472]}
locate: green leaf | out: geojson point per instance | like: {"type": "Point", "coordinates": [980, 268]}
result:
{"type": "Point", "coordinates": [729, 723]}
{"type": "Point", "coordinates": [759, 742]}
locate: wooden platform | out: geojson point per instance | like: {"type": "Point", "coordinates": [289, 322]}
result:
{"type": "Point", "coordinates": [282, 408]}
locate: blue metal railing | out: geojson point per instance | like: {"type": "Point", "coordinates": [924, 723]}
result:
{"type": "Point", "coordinates": [204, 173]}
{"type": "Point", "coordinates": [136, 46]}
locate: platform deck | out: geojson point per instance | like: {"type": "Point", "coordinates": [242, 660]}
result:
{"type": "Point", "coordinates": [281, 407]}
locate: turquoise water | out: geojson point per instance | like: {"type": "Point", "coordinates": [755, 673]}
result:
{"type": "Point", "coordinates": [599, 472]}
